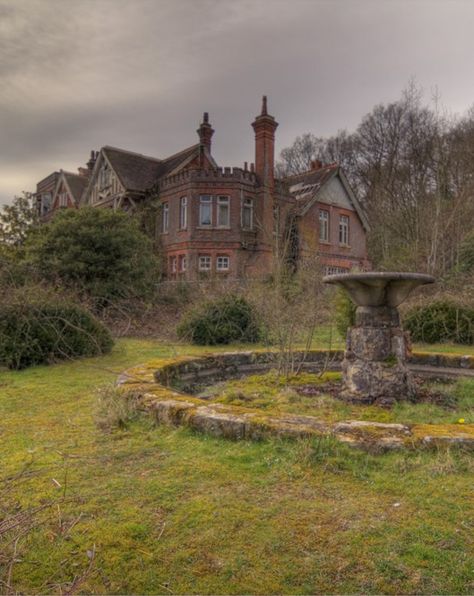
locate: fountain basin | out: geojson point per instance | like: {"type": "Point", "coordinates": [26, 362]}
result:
{"type": "Point", "coordinates": [379, 288]}
{"type": "Point", "coordinates": [375, 360]}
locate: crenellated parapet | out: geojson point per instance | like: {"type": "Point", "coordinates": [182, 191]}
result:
{"type": "Point", "coordinates": [216, 174]}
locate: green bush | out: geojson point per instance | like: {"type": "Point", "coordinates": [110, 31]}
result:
{"type": "Point", "coordinates": [35, 331]}
{"type": "Point", "coordinates": [99, 252]}
{"type": "Point", "coordinates": [441, 321]}
{"type": "Point", "coordinates": [226, 320]}
{"type": "Point", "coordinates": [344, 310]}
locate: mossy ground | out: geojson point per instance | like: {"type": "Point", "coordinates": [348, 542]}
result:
{"type": "Point", "coordinates": [158, 510]}
{"type": "Point", "coordinates": [272, 393]}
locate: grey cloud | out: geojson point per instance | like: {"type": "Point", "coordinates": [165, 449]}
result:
{"type": "Point", "coordinates": [77, 75]}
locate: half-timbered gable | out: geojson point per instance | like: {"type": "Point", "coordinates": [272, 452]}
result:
{"type": "Point", "coordinates": [68, 191]}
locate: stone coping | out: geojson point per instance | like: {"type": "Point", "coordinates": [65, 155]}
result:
{"type": "Point", "coordinates": [165, 389]}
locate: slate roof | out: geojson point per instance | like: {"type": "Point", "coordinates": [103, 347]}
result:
{"type": "Point", "coordinates": [139, 172]}
{"type": "Point", "coordinates": [77, 184]}
{"type": "Point", "coordinates": [306, 185]}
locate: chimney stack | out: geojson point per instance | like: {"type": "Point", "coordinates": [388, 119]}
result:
{"type": "Point", "coordinates": [92, 160]}
{"type": "Point", "coordinates": [264, 126]}
{"type": "Point", "coordinates": [205, 132]}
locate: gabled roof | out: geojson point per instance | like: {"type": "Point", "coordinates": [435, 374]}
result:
{"type": "Point", "coordinates": [76, 184]}
{"type": "Point", "coordinates": [139, 172]}
{"type": "Point", "coordinates": [135, 171]}
{"type": "Point", "coordinates": [306, 186]}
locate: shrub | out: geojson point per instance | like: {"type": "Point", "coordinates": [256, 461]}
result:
{"type": "Point", "coordinates": [441, 321]}
{"type": "Point", "coordinates": [222, 321]}
{"type": "Point", "coordinates": [344, 311]}
{"type": "Point", "coordinates": [36, 331]}
{"type": "Point", "coordinates": [98, 251]}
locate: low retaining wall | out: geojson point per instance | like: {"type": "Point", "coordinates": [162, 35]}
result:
{"type": "Point", "coordinates": [166, 389]}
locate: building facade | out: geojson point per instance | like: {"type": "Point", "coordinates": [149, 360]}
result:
{"type": "Point", "coordinates": [229, 222]}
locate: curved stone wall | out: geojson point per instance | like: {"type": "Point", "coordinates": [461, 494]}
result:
{"type": "Point", "coordinates": [166, 390]}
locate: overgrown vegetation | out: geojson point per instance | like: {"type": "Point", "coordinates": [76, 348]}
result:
{"type": "Point", "coordinates": [225, 320]}
{"type": "Point", "coordinates": [39, 327]}
{"type": "Point", "coordinates": [441, 321]}
{"type": "Point", "coordinates": [155, 509]}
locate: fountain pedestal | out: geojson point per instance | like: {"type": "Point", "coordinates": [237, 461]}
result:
{"type": "Point", "coordinates": [375, 361]}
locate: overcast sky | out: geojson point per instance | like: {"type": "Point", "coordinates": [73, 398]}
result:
{"type": "Point", "coordinates": [137, 74]}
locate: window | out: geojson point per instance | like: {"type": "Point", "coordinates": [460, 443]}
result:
{"type": "Point", "coordinates": [223, 212]}
{"type": "Point", "coordinates": [204, 263]}
{"type": "Point", "coordinates": [63, 199]}
{"type": "Point", "coordinates": [183, 213]}
{"type": "Point", "coordinates": [247, 214]}
{"type": "Point", "coordinates": [205, 210]}
{"type": "Point", "coordinates": [344, 229]}
{"type": "Point", "coordinates": [328, 270]}
{"type": "Point", "coordinates": [183, 263]}
{"type": "Point", "coordinates": [166, 218]}
{"type": "Point", "coordinates": [323, 225]}
{"type": "Point", "coordinates": [223, 263]}
{"type": "Point", "coordinates": [173, 264]}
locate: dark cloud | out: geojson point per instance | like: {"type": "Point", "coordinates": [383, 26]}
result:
{"type": "Point", "coordinates": [138, 74]}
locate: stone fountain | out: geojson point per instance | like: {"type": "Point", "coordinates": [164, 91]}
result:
{"type": "Point", "coordinates": [375, 361]}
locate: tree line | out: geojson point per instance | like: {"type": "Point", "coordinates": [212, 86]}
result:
{"type": "Point", "coordinates": [412, 167]}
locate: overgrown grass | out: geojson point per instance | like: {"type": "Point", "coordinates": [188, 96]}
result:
{"type": "Point", "coordinates": [272, 393]}
{"type": "Point", "coordinates": [157, 510]}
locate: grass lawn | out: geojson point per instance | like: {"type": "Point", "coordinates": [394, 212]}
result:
{"type": "Point", "coordinates": [158, 510]}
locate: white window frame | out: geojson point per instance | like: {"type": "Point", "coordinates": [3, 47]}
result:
{"type": "Point", "coordinates": [183, 263]}
{"type": "Point", "coordinates": [247, 206]}
{"type": "Point", "coordinates": [183, 213]}
{"type": "Point", "coordinates": [223, 263]}
{"type": "Point", "coordinates": [63, 199]}
{"type": "Point", "coordinates": [223, 206]}
{"type": "Point", "coordinates": [174, 264]}
{"type": "Point", "coordinates": [205, 262]}
{"type": "Point", "coordinates": [165, 218]}
{"type": "Point", "coordinates": [324, 225]}
{"type": "Point", "coordinates": [344, 230]}
{"type": "Point", "coordinates": [205, 201]}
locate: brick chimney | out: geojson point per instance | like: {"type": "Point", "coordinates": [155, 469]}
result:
{"type": "Point", "coordinates": [205, 132]}
{"type": "Point", "coordinates": [264, 127]}
{"type": "Point", "coordinates": [92, 160]}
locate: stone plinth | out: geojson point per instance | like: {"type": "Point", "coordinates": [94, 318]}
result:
{"type": "Point", "coordinates": [375, 361]}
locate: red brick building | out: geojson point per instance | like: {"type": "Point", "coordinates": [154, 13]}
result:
{"type": "Point", "coordinates": [229, 221]}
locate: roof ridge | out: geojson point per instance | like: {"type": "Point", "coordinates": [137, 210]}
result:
{"type": "Point", "coordinates": [180, 152]}
{"type": "Point", "coordinates": [157, 159]}
{"type": "Point", "coordinates": [334, 164]}
{"type": "Point", "coordinates": [73, 174]}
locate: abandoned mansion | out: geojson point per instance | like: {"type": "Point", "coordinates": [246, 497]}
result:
{"type": "Point", "coordinates": [223, 221]}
